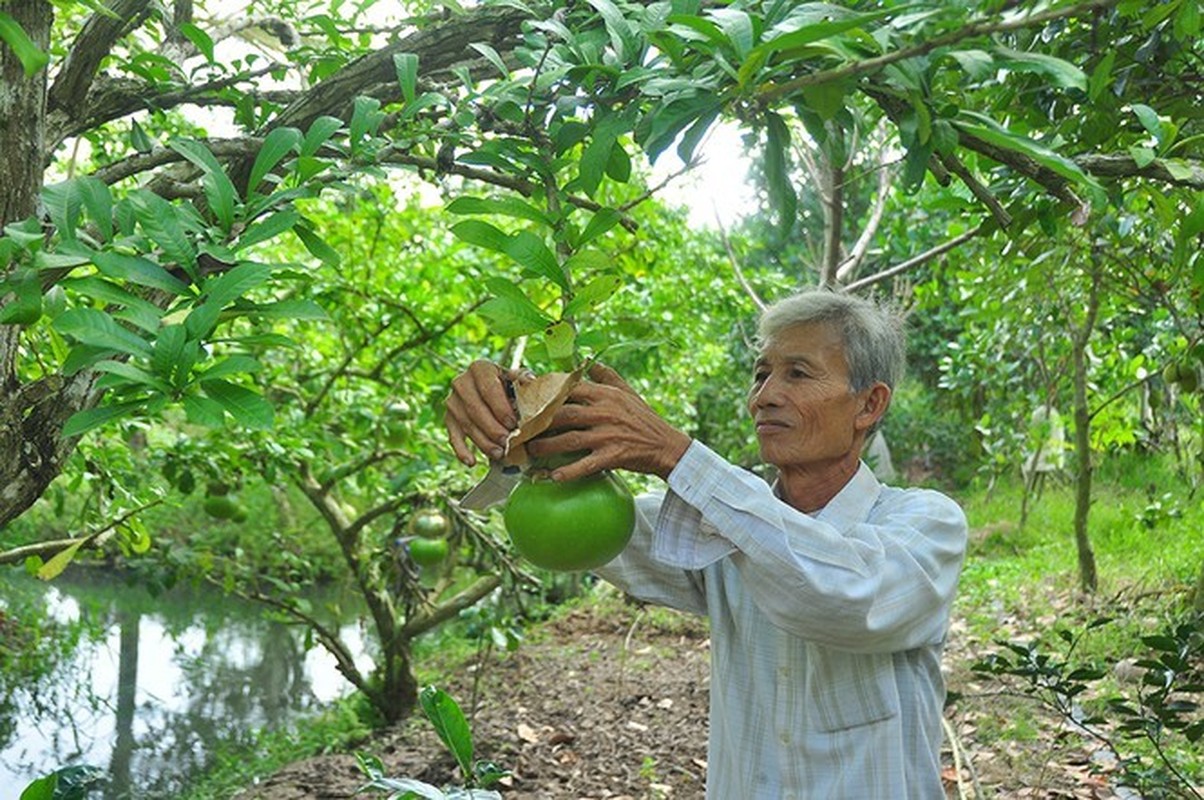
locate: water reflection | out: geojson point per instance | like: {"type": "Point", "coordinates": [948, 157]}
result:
{"type": "Point", "coordinates": [155, 683]}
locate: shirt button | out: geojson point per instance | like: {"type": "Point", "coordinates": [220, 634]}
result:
{"type": "Point", "coordinates": [784, 737]}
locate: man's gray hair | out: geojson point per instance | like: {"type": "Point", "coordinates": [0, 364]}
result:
{"type": "Point", "coordinates": [872, 334]}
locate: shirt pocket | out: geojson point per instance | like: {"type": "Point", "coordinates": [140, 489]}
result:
{"type": "Point", "coordinates": [848, 690]}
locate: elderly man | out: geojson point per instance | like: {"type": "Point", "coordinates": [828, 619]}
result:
{"type": "Point", "coordinates": [828, 593]}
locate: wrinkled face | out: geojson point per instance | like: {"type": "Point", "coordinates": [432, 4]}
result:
{"type": "Point", "coordinates": [805, 412]}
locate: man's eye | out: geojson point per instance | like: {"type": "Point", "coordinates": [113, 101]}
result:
{"type": "Point", "coordinates": [759, 377]}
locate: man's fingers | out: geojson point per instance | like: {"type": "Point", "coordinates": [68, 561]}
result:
{"type": "Point", "coordinates": [455, 435]}
{"type": "Point", "coordinates": [586, 465]}
{"type": "Point", "coordinates": [485, 432]}
{"type": "Point", "coordinates": [600, 373]}
{"type": "Point", "coordinates": [489, 382]}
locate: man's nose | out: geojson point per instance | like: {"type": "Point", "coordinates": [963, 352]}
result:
{"type": "Point", "coordinates": [766, 394]}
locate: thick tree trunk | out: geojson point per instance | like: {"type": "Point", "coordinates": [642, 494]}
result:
{"type": "Point", "coordinates": [22, 116]}
{"type": "Point", "coordinates": [31, 413]}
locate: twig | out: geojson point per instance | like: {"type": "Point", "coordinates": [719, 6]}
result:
{"type": "Point", "coordinates": [922, 258]}
{"type": "Point", "coordinates": [96, 540]}
{"type": "Point", "coordinates": [731, 255]}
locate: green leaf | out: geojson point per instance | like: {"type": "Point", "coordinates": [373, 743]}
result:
{"type": "Point", "coordinates": [160, 220]}
{"type": "Point", "coordinates": [248, 408]}
{"type": "Point", "coordinates": [805, 28]}
{"type": "Point", "coordinates": [199, 38]}
{"type": "Point", "coordinates": [1148, 118]}
{"type": "Point", "coordinates": [560, 339]}
{"type": "Point", "coordinates": [25, 308]}
{"type": "Point", "coordinates": [1142, 156]}
{"type": "Point", "coordinates": [992, 132]}
{"type": "Point", "coordinates": [203, 411]}
{"type": "Point", "coordinates": [93, 327]}
{"type": "Point", "coordinates": [98, 200]}
{"type": "Point", "coordinates": [737, 27]}
{"type": "Point", "coordinates": [596, 156]}
{"type": "Point", "coordinates": [42, 788]}
{"type": "Point", "coordinates": [139, 140]}
{"type": "Point", "coordinates": [777, 173]}
{"type": "Point", "coordinates": [98, 288]}
{"type": "Point", "coordinates": [366, 117]}
{"type": "Point", "coordinates": [449, 722]}
{"type": "Point", "coordinates": [316, 245]}
{"type": "Point", "coordinates": [977, 64]}
{"type": "Point", "coordinates": [233, 365]}
{"type": "Point", "coordinates": [140, 271]}
{"type": "Point", "coordinates": [508, 207]}
{"type": "Point", "coordinates": [618, 167]}
{"type": "Point", "coordinates": [167, 350]}
{"type": "Point", "coordinates": [1101, 76]}
{"type": "Point", "coordinates": [511, 313]}
{"type": "Point", "coordinates": [268, 228]}
{"type": "Point", "coordinates": [481, 234]}
{"type": "Point", "coordinates": [534, 256]}
{"type": "Point", "coordinates": [318, 134]}
{"type": "Point", "coordinates": [406, 65]}
{"type": "Point", "coordinates": [64, 202]}
{"type": "Point", "coordinates": [59, 561]}
{"type": "Point", "coordinates": [659, 131]}
{"type": "Point", "coordinates": [602, 221]}
{"type": "Point", "coordinates": [1061, 73]}
{"type": "Point", "coordinates": [1186, 26]}
{"type": "Point", "coordinates": [492, 57]}
{"type": "Point", "coordinates": [424, 101]}
{"type": "Point", "coordinates": [83, 421]}
{"type": "Point", "coordinates": [132, 374]}
{"type": "Point", "coordinates": [593, 293]}
{"type": "Point", "coordinates": [31, 57]}
{"type": "Point", "coordinates": [219, 190]}
{"type": "Point", "coordinates": [276, 145]}
{"type": "Point", "coordinates": [623, 37]}
{"type": "Point", "coordinates": [219, 292]}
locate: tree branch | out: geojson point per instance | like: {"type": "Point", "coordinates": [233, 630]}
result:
{"type": "Point", "coordinates": [1189, 173]}
{"type": "Point", "coordinates": [915, 261]}
{"type": "Point", "coordinates": [848, 268]}
{"type": "Point", "coordinates": [90, 48]}
{"type": "Point", "coordinates": [776, 92]}
{"type": "Point", "coordinates": [449, 608]}
{"type": "Point", "coordinates": [955, 165]}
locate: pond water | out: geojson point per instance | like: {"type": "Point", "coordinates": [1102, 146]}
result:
{"type": "Point", "coordinates": [156, 682]}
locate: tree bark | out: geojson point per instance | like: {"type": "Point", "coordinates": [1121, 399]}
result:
{"type": "Point", "coordinates": [31, 414]}
{"type": "Point", "coordinates": [1088, 577]}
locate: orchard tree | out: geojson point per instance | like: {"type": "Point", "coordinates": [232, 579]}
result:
{"type": "Point", "coordinates": [134, 238]}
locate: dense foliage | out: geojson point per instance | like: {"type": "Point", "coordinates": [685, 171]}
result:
{"type": "Point", "coordinates": [250, 304]}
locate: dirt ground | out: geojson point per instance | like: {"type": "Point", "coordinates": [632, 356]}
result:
{"type": "Point", "coordinates": [613, 704]}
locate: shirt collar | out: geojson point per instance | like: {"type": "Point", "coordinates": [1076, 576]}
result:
{"type": "Point", "coordinates": [852, 503]}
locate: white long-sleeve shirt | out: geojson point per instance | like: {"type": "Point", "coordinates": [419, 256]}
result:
{"type": "Point", "coordinates": [826, 629]}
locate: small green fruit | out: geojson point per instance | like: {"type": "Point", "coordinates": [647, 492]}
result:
{"type": "Point", "coordinates": [429, 523]}
{"type": "Point", "coordinates": [222, 506]}
{"type": "Point", "coordinates": [428, 552]}
{"type": "Point", "coordinates": [1189, 378]}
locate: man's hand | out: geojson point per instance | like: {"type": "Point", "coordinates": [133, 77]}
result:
{"type": "Point", "coordinates": [606, 417]}
{"type": "Point", "coordinates": [479, 410]}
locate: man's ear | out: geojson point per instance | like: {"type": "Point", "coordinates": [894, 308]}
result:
{"type": "Point", "coordinates": [876, 399]}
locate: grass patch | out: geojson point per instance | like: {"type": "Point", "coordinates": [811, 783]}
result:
{"type": "Point", "coordinates": [239, 764]}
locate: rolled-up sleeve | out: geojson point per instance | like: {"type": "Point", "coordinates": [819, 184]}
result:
{"type": "Point", "coordinates": [874, 571]}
